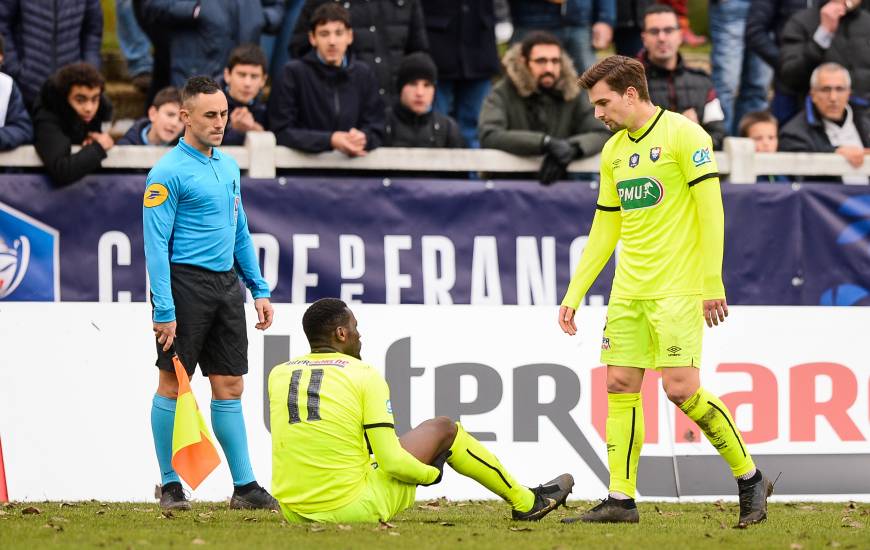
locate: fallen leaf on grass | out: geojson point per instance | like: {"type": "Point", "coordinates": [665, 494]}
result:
{"type": "Point", "coordinates": [853, 505]}
{"type": "Point", "coordinates": [383, 525]}
{"type": "Point", "coordinates": [317, 528]}
{"type": "Point", "coordinates": [56, 518]}
{"type": "Point", "coordinates": [807, 507]}
{"type": "Point", "coordinates": [197, 541]}
{"type": "Point", "coordinates": [796, 546]}
{"type": "Point", "coordinates": [393, 534]}
{"type": "Point", "coordinates": [667, 514]}
{"type": "Point", "coordinates": [834, 544]}
{"type": "Point", "coordinates": [168, 514]}
{"type": "Point", "coordinates": [70, 504]}
{"type": "Point", "coordinates": [342, 527]}
{"type": "Point", "coordinates": [144, 510]}
{"type": "Point", "coordinates": [3, 512]}
{"type": "Point", "coordinates": [446, 524]}
{"type": "Point", "coordinates": [849, 522]}
{"type": "Point", "coordinates": [50, 525]}
{"type": "Point", "coordinates": [519, 528]}
{"type": "Point", "coordinates": [429, 506]}
{"type": "Point", "coordinates": [461, 504]}
{"type": "Point", "coordinates": [251, 519]}
{"type": "Point", "coordinates": [100, 512]}
{"type": "Point", "coordinates": [31, 510]}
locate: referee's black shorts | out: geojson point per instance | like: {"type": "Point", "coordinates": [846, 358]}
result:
{"type": "Point", "coordinates": [210, 313]}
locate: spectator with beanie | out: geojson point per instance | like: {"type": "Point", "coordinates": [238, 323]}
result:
{"type": "Point", "coordinates": [15, 126]}
{"type": "Point", "coordinates": [70, 110]}
{"type": "Point", "coordinates": [328, 100]}
{"type": "Point", "coordinates": [411, 122]}
{"type": "Point", "coordinates": [243, 81]}
{"type": "Point", "coordinates": [463, 45]}
{"type": "Point", "coordinates": [163, 124]}
{"type": "Point", "coordinates": [540, 109]}
{"type": "Point", "coordinates": [42, 36]}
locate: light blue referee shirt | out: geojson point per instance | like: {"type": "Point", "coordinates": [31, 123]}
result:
{"type": "Point", "coordinates": [192, 214]}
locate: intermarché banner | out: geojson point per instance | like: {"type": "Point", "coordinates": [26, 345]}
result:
{"type": "Point", "coordinates": [421, 241]}
{"type": "Point", "coordinates": [795, 378]}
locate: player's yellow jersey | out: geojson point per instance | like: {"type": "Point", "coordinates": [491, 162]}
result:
{"type": "Point", "coordinates": [319, 404]}
{"type": "Point", "coordinates": [647, 175]}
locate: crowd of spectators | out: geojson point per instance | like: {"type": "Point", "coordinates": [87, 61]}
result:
{"type": "Point", "coordinates": [354, 75]}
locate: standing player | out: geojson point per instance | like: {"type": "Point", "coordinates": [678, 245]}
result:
{"type": "Point", "coordinates": [195, 231]}
{"type": "Point", "coordinates": [330, 412]}
{"type": "Point", "coordinates": [660, 195]}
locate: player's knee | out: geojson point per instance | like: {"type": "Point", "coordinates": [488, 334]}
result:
{"type": "Point", "coordinates": [678, 394]}
{"type": "Point", "coordinates": [616, 384]}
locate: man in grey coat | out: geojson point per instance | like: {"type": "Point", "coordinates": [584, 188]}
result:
{"type": "Point", "coordinates": [539, 109]}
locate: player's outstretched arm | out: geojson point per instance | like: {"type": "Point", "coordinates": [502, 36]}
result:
{"type": "Point", "coordinates": [605, 233]}
{"type": "Point", "coordinates": [711, 223]}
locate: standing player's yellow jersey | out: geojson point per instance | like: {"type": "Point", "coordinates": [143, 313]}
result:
{"type": "Point", "coordinates": [648, 175]}
{"type": "Point", "coordinates": [319, 406]}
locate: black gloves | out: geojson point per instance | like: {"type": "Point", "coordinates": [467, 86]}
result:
{"type": "Point", "coordinates": [439, 463]}
{"type": "Point", "coordinates": [558, 154]}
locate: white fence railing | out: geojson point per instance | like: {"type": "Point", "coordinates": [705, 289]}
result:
{"type": "Point", "coordinates": [261, 157]}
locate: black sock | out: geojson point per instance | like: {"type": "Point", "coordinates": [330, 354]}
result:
{"type": "Point", "coordinates": [247, 487]}
{"type": "Point", "coordinates": [626, 503]}
{"type": "Point", "coordinates": [751, 481]}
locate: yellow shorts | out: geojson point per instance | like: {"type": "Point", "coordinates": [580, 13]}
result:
{"type": "Point", "coordinates": [383, 497]}
{"type": "Point", "coordinates": [651, 334]}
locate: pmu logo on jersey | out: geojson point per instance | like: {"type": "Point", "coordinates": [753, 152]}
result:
{"type": "Point", "coordinates": [28, 258]}
{"type": "Point", "coordinates": [642, 192]}
{"type": "Point", "coordinates": [701, 157]}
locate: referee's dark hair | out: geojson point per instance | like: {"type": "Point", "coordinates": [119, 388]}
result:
{"type": "Point", "coordinates": [196, 85]}
{"type": "Point", "coordinates": [323, 317]}
{"type": "Point", "coordinates": [620, 73]}
{"type": "Point", "coordinates": [327, 13]}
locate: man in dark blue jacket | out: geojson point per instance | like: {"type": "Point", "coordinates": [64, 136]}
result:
{"type": "Point", "coordinates": [327, 100]}
{"type": "Point", "coordinates": [243, 82]}
{"type": "Point", "coordinates": [203, 33]}
{"type": "Point", "coordinates": [44, 35]}
{"type": "Point", "coordinates": [581, 25]}
{"type": "Point", "coordinates": [15, 126]}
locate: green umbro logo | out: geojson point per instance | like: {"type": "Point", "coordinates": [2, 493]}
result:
{"type": "Point", "coordinates": [640, 192]}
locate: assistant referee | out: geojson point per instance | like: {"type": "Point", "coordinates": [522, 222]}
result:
{"type": "Point", "coordinates": [197, 246]}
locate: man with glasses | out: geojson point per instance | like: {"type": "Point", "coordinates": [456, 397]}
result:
{"type": "Point", "coordinates": [539, 109]}
{"type": "Point", "coordinates": [672, 84]}
{"type": "Point", "coordinates": [830, 123]}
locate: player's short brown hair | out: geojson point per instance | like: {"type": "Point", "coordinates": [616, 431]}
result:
{"type": "Point", "coordinates": [751, 119]}
{"type": "Point", "coordinates": [620, 73]}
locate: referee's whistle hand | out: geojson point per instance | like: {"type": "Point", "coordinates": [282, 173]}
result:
{"type": "Point", "coordinates": [165, 333]}
{"type": "Point", "coordinates": [715, 312]}
{"type": "Point", "coordinates": [265, 313]}
{"type": "Point", "coordinates": [566, 320]}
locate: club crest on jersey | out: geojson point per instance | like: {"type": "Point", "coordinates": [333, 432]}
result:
{"type": "Point", "coordinates": [633, 160]}
{"type": "Point", "coordinates": [642, 192]}
{"type": "Point", "coordinates": [655, 153]}
{"type": "Point", "coordinates": [605, 344]}
{"type": "Point", "coordinates": [701, 157]}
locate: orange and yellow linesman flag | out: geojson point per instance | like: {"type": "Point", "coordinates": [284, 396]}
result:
{"type": "Point", "coordinates": [194, 456]}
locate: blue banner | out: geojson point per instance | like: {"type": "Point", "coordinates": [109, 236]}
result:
{"type": "Point", "coordinates": [427, 241]}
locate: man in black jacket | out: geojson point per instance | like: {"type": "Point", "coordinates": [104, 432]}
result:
{"type": "Point", "coordinates": [70, 110]}
{"type": "Point", "coordinates": [384, 32]}
{"type": "Point", "coordinates": [411, 122]}
{"type": "Point", "coordinates": [672, 84]}
{"type": "Point", "coordinates": [830, 124]}
{"type": "Point", "coordinates": [763, 36]}
{"type": "Point", "coordinates": [838, 32]}
{"type": "Point", "coordinates": [328, 100]}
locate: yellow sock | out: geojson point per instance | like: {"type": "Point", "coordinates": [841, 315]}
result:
{"type": "Point", "coordinates": [625, 433]}
{"type": "Point", "coordinates": [470, 458]}
{"type": "Point", "coordinates": [712, 416]}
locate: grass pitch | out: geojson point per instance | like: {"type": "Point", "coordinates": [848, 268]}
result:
{"type": "Point", "coordinates": [435, 524]}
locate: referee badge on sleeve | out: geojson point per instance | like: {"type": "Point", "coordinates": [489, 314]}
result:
{"type": "Point", "coordinates": [155, 195]}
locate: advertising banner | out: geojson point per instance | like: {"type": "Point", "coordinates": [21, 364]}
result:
{"type": "Point", "coordinates": [76, 383]}
{"type": "Point", "coordinates": [425, 241]}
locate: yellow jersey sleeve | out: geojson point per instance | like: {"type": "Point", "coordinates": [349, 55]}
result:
{"type": "Point", "coordinates": [377, 409]}
{"type": "Point", "coordinates": [695, 154]}
{"type": "Point", "coordinates": [608, 199]}
{"type": "Point", "coordinates": [708, 204]}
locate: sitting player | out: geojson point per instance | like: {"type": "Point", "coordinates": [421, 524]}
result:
{"type": "Point", "coordinates": [330, 412]}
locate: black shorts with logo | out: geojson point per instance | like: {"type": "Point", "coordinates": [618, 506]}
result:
{"type": "Point", "coordinates": [210, 314]}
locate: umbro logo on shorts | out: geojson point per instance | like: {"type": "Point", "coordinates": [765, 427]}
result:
{"type": "Point", "coordinates": [674, 351]}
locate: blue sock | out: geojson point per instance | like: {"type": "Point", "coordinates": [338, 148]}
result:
{"type": "Point", "coordinates": [229, 428]}
{"type": "Point", "coordinates": [162, 423]}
